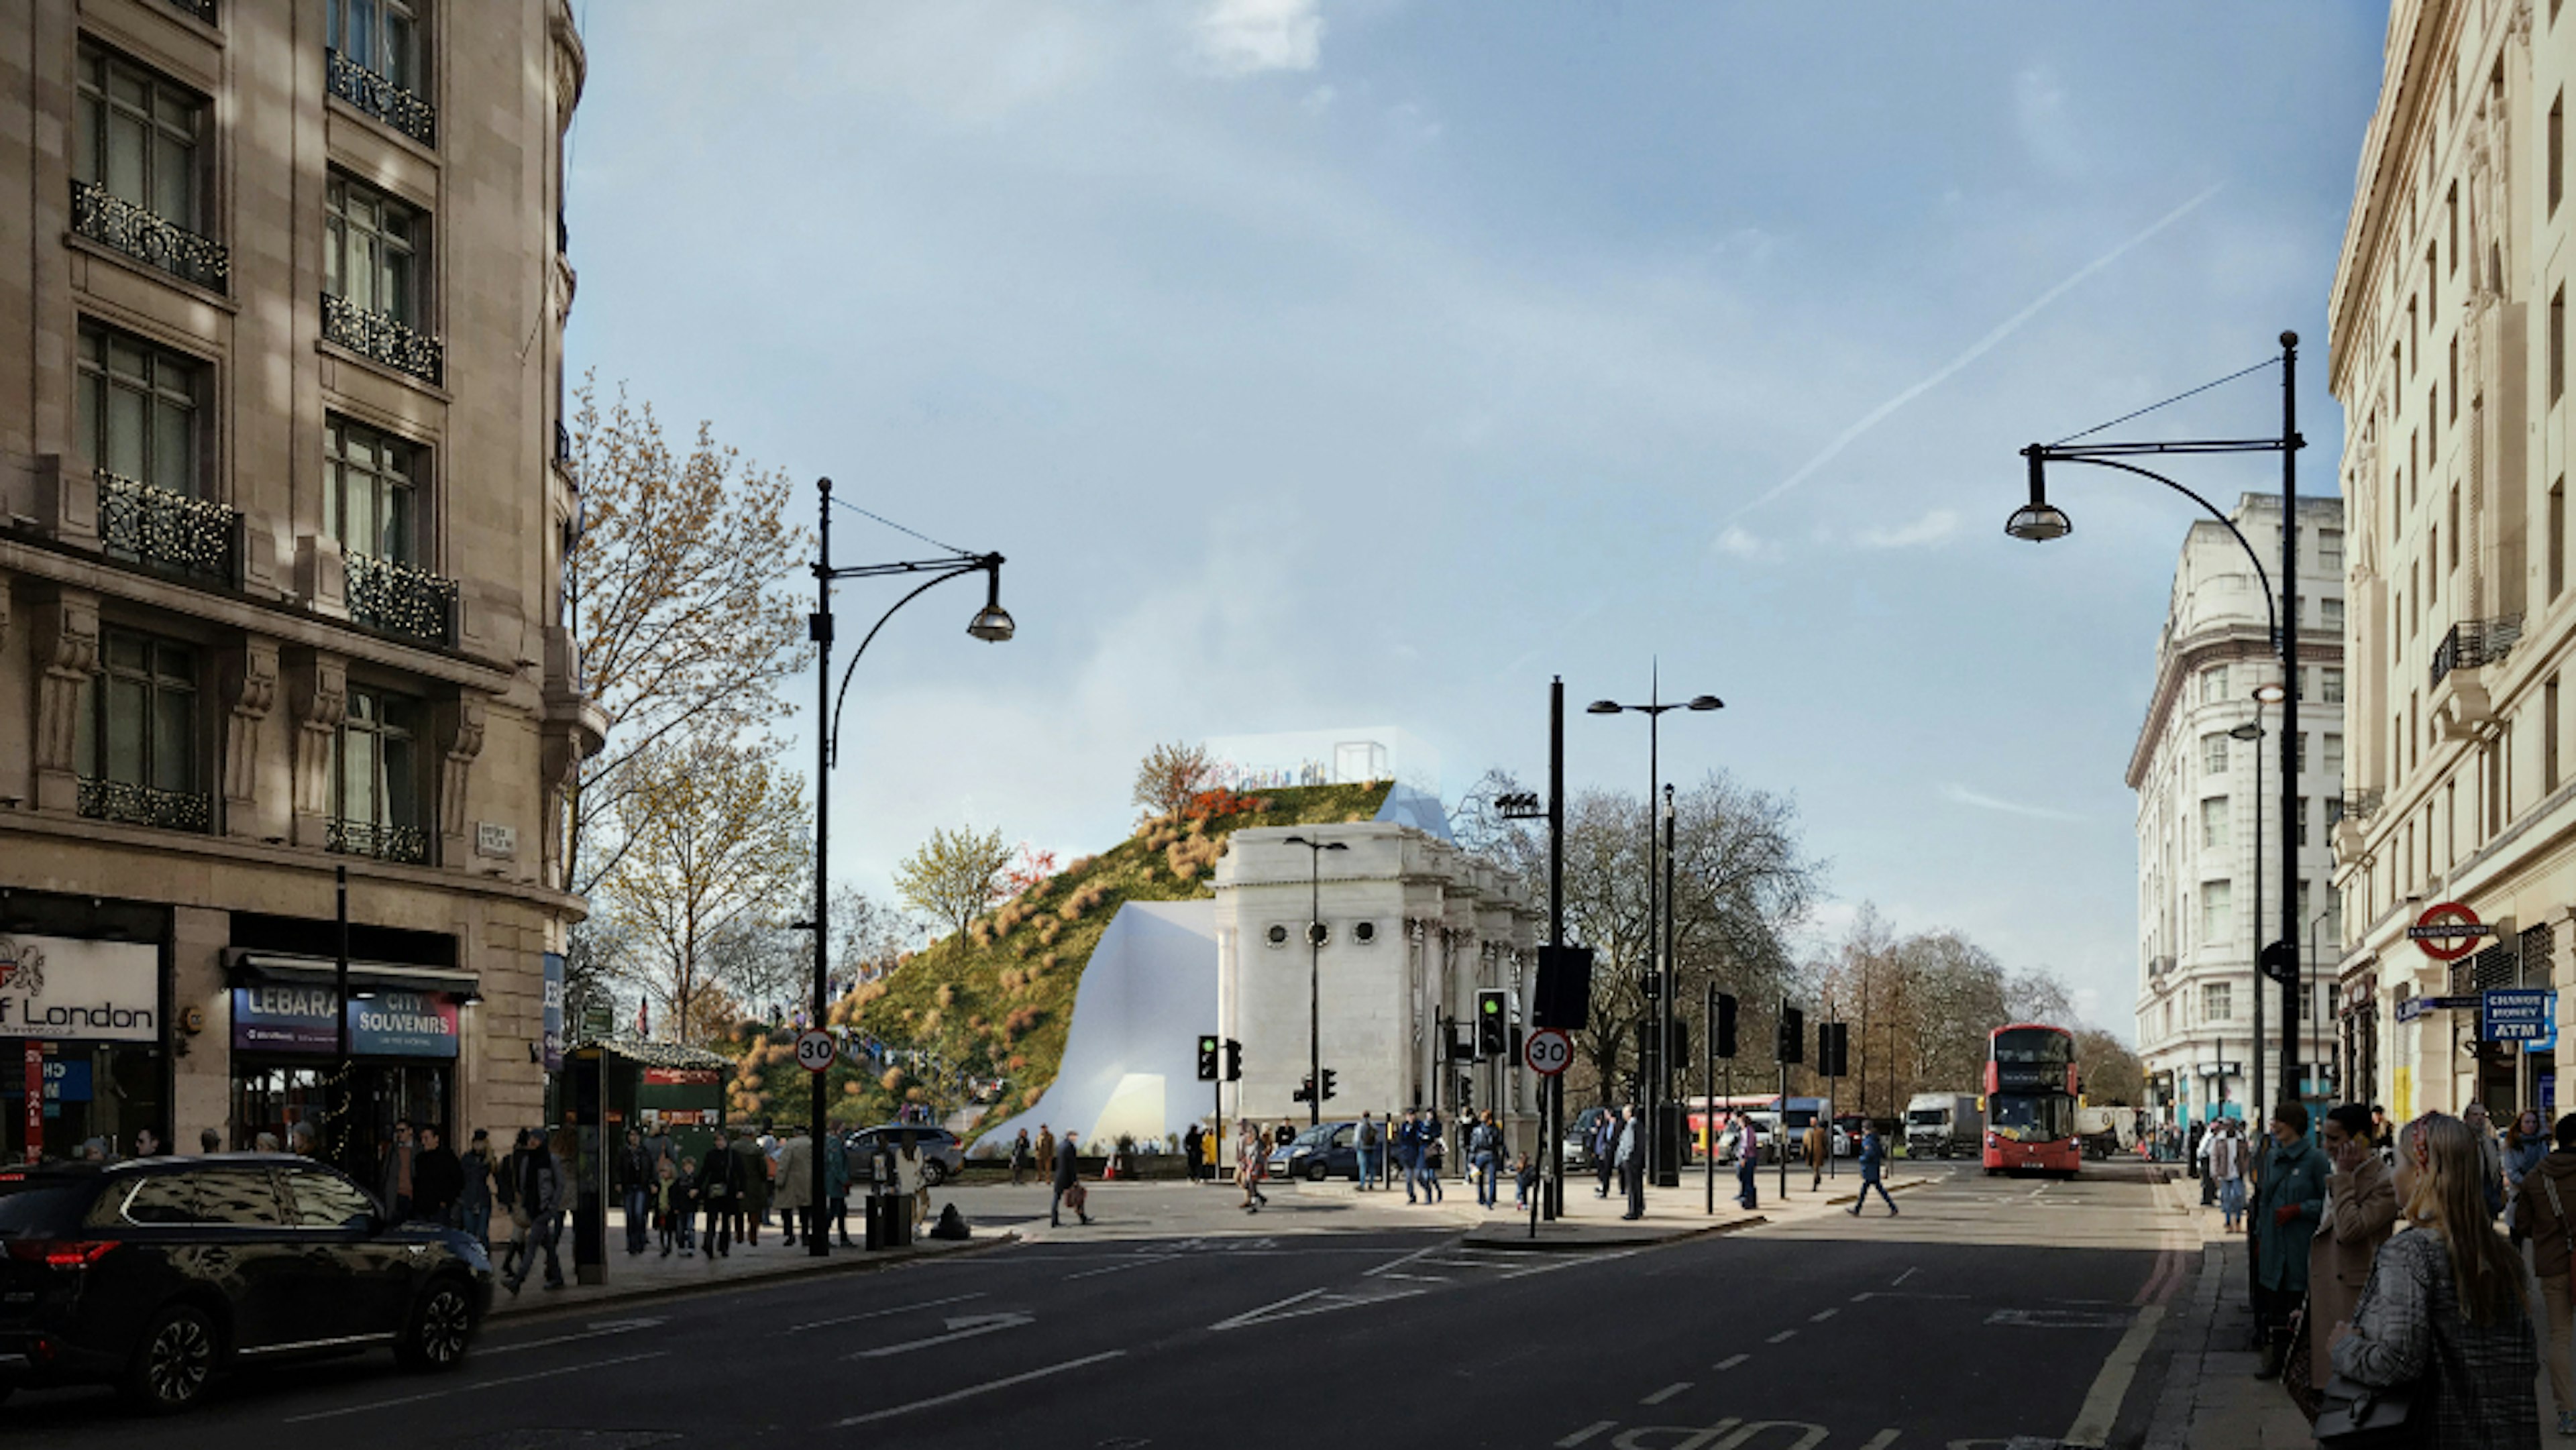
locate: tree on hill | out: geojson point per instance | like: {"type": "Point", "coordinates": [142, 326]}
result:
{"type": "Point", "coordinates": [956, 875]}
{"type": "Point", "coordinates": [1171, 775]}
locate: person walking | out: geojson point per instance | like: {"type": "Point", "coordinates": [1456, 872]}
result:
{"type": "Point", "coordinates": [506, 1188]}
{"type": "Point", "coordinates": [796, 1186]}
{"type": "Point", "coordinates": [2289, 1203]}
{"type": "Point", "coordinates": [1748, 1160]}
{"type": "Point", "coordinates": [2361, 1210]}
{"type": "Point", "coordinates": [1067, 1178]}
{"type": "Point", "coordinates": [1251, 1166]}
{"type": "Point", "coordinates": [2228, 1160]}
{"type": "Point", "coordinates": [635, 1181]}
{"type": "Point", "coordinates": [474, 1194]}
{"type": "Point", "coordinates": [1485, 1157]}
{"type": "Point", "coordinates": [1365, 1143]}
{"type": "Point", "coordinates": [542, 1175]}
{"type": "Point", "coordinates": [437, 1178]}
{"type": "Point", "coordinates": [1632, 1166]}
{"type": "Point", "coordinates": [1408, 1149]}
{"type": "Point", "coordinates": [1434, 1150]}
{"type": "Point", "coordinates": [719, 1188]}
{"type": "Point", "coordinates": [2525, 1144]}
{"type": "Point", "coordinates": [394, 1172]}
{"type": "Point", "coordinates": [2444, 1313]}
{"type": "Point", "coordinates": [2545, 1215]}
{"type": "Point", "coordinates": [1817, 1148]}
{"type": "Point", "coordinates": [1873, 1160]}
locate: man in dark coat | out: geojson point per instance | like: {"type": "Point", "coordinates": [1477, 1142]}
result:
{"type": "Point", "coordinates": [1065, 1177]}
{"type": "Point", "coordinates": [437, 1178]}
{"type": "Point", "coordinates": [636, 1174]}
{"type": "Point", "coordinates": [720, 1189]}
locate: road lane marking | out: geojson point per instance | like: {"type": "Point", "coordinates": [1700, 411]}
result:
{"type": "Point", "coordinates": [1402, 1260]}
{"type": "Point", "coordinates": [1908, 1274]}
{"type": "Point", "coordinates": [968, 1327]}
{"type": "Point", "coordinates": [953, 1396]}
{"type": "Point", "coordinates": [1666, 1393]}
{"type": "Point", "coordinates": [1821, 1315]}
{"type": "Point", "coordinates": [2092, 1427]}
{"type": "Point", "coordinates": [477, 1385]}
{"type": "Point", "coordinates": [1586, 1433]}
{"type": "Point", "coordinates": [1419, 1278]}
{"type": "Point", "coordinates": [601, 1330]}
{"type": "Point", "coordinates": [879, 1313]}
{"type": "Point", "coordinates": [1732, 1360]}
{"type": "Point", "coordinates": [1880, 1441]}
{"type": "Point", "coordinates": [1121, 1268]}
{"type": "Point", "coordinates": [1783, 1336]}
{"type": "Point", "coordinates": [1251, 1316]}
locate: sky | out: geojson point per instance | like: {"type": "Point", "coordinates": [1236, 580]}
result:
{"type": "Point", "coordinates": [1319, 362]}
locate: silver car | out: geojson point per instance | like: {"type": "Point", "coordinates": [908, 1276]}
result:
{"type": "Point", "coordinates": [943, 1155]}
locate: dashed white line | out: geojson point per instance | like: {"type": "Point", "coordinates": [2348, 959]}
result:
{"type": "Point", "coordinates": [1821, 1315]}
{"type": "Point", "coordinates": [1586, 1433]}
{"type": "Point", "coordinates": [477, 1385]}
{"type": "Point", "coordinates": [954, 1396]}
{"type": "Point", "coordinates": [1782, 1337]}
{"type": "Point", "coordinates": [1908, 1274]}
{"type": "Point", "coordinates": [1732, 1360]}
{"type": "Point", "coordinates": [875, 1313]}
{"type": "Point", "coordinates": [1120, 1268]}
{"type": "Point", "coordinates": [1666, 1393]}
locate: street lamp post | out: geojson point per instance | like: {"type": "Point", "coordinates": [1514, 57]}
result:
{"type": "Point", "coordinates": [1659, 1172]}
{"type": "Point", "coordinates": [990, 624]}
{"type": "Point", "coordinates": [1315, 974]}
{"type": "Point", "coordinates": [2039, 521]}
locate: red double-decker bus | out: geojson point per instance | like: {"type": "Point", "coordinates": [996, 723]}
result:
{"type": "Point", "coordinates": [2031, 1082]}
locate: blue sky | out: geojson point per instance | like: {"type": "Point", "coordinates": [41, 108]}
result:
{"type": "Point", "coordinates": [1325, 361]}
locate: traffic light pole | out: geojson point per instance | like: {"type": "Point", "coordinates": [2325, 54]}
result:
{"type": "Point", "coordinates": [1708, 1093]}
{"type": "Point", "coordinates": [1554, 1190]}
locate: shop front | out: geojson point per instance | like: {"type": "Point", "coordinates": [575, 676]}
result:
{"type": "Point", "coordinates": [403, 1035]}
{"type": "Point", "coordinates": [82, 1024]}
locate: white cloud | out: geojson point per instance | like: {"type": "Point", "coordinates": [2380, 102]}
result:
{"type": "Point", "coordinates": [1959, 794]}
{"type": "Point", "coordinates": [1933, 528]}
{"type": "Point", "coordinates": [1247, 37]}
{"type": "Point", "coordinates": [1319, 100]}
{"type": "Point", "coordinates": [1741, 544]}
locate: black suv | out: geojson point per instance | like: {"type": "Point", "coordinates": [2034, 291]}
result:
{"type": "Point", "coordinates": [157, 1274]}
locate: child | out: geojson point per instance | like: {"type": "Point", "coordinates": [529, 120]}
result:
{"type": "Point", "coordinates": [680, 1207]}
{"type": "Point", "coordinates": [1524, 1181]}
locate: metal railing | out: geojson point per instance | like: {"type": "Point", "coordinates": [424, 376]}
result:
{"type": "Point", "coordinates": [382, 99]}
{"type": "Point", "coordinates": [142, 805]}
{"type": "Point", "coordinates": [195, 536]}
{"type": "Point", "coordinates": [146, 236]}
{"type": "Point", "coordinates": [2475, 642]}
{"type": "Point", "coordinates": [379, 839]}
{"type": "Point", "coordinates": [388, 340]}
{"type": "Point", "coordinates": [2356, 805]}
{"type": "Point", "coordinates": [399, 599]}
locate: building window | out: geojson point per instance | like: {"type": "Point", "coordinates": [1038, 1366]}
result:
{"type": "Point", "coordinates": [136, 751]}
{"type": "Point", "coordinates": [2299, 753]}
{"type": "Point", "coordinates": [2558, 344]}
{"type": "Point", "coordinates": [375, 779]}
{"type": "Point", "coordinates": [371, 251]}
{"type": "Point", "coordinates": [2213, 685]}
{"type": "Point", "coordinates": [2549, 736]}
{"type": "Point", "coordinates": [140, 407]}
{"type": "Point", "coordinates": [2214, 917]}
{"type": "Point", "coordinates": [2451, 212]}
{"type": "Point", "coordinates": [368, 498]}
{"type": "Point", "coordinates": [2213, 754]}
{"type": "Point", "coordinates": [2557, 150]}
{"type": "Point", "coordinates": [2213, 823]}
{"type": "Point", "coordinates": [2303, 826]}
{"type": "Point", "coordinates": [2330, 682]}
{"type": "Point", "coordinates": [2557, 536]}
{"type": "Point", "coordinates": [379, 64]}
{"type": "Point", "coordinates": [2216, 1002]}
{"type": "Point", "coordinates": [2330, 551]}
{"type": "Point", "coordinates": [138, 169]}
{"type": "Point", "coordinates": [2330, 613]}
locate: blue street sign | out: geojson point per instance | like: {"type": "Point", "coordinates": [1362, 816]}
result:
{"type": "Point", "coordinates": [2517, 1014]}
{"type": "Point", "coordinates": [2411, 1008]}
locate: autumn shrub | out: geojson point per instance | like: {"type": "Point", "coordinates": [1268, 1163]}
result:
{"type": "Point", "coordinates": [946, 996]}
{"type": "Point", "coordinates": [891, 1080]}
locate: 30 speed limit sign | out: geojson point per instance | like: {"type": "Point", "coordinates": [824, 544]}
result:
{"type": "Point", "coordinates": [1548, 1052]}
{"type": "Point", "coordinates": [815, 1049]}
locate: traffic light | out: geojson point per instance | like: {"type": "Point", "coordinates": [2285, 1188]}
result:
{"type": "Point", "coordinates": [1493, 1009]}
{"type": "Point", "coordinates": [1207, 1059]}
{"type": "Point", "coordinates": [1328, 1084]}
{"type": "Point", "coordinates": [1726, 1025]}
{"type": "Point", "coordinates": [1563, 997]}
{"type": "Point", "coordinates": [2280, 961]}
{"type": "Point", "coordinates": [1233, 1060]}
{"type": "Point", "coordinates": [1833, 1049]}
{"type": "Point", "coordinates": [1303, 1092]}
{"type": "Point", "coordinates": [1793, 1034]}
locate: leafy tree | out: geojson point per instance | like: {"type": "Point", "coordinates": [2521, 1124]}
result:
{"type": "Point", "coordinates": [2112, 1073]}
{"type": "Point", "coordinates": [1170, 775]}
{"type": "Point", "coordinates": [714, 853]}
{"type": "Point", "coordinates": [955, 875]}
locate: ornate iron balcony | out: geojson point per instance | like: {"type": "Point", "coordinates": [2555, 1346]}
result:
{"type": "Point", "coordinates": [2353, 805]}
{"type": "Point", "coordinates": [2159, 966]}
{"type": "Point", "coordinates": [385, 842]}
{"type": "Point", "coordinates": [141, 805]}
{"type": "Point", "coordinates": [388, 340]}
{"type": "Point", "coordinates": [112, 221]}
{"type": "Point", "coordinates": [400, 599]}
{"type": "Point", "coordinates": [382, 99]}
{"type": "Point", "coordinates": [196, 536]}
{"type": "Point", "coordinates": [2475, 642]}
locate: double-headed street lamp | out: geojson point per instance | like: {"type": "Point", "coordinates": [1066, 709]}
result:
{"type": "Point", "coordinates": [1659, 1171]}
{"type": "Point", "coordinates": [991, 624]}
{"type": "Point", "coordinates": [2040, 521]}
{"type": "Point", "coordinates": [1315, 971]}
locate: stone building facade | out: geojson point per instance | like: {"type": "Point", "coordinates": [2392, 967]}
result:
{"type": "Point", "coordinates": [2449, 354]}
{"type": "Point", "coordinates": [2199, 805]}
{"type": "Point", "coordinates": [283, 513]}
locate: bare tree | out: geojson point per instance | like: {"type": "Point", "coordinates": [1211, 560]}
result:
{"type": "Point", "coordinates": [1170, 775]}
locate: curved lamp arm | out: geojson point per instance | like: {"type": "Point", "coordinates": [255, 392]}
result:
{"type": "Point", "coordinates": [2271, 605]}
{"type": "Point", "coordinates": [843, 693]}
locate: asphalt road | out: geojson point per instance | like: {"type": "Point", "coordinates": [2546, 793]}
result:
{"type": "Point", "coordinates": [1988, 1311]}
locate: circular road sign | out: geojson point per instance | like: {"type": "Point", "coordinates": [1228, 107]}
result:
{"type": "Point", "coordinates": [815, 1049]}
{"type": "Point", "coordinates": [2448, 931]}
{"type": "Point", "coordinates": [1548, 1052]}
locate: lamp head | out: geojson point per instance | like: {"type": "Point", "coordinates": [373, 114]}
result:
{"type": "Point", "coordinates": [2270, 694]}
{"type": "Point", "coordinates": [1708, 702]}
{"type": "Point", "coordinates": [2247, 731]}
{"type": "Point", "coordinates": [992, 623]}
{"type": "Point", "coordinates": [1602, 707]}
{"type": "Point", "coordinates": [1296, 841]}
{"type": "Point", "coordinates": [2039, 520]}
{"type": "Point", "coordinates": [1336, 846]}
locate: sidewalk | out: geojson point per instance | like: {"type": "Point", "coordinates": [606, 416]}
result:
{"type": "Point", "coordinates": [1672, 1214]}
{"type": "Point", "coordinates": [647, 1277]}
{"type": "Point", "coordinates": [2210, 1395]}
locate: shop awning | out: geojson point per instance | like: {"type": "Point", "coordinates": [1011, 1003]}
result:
{"type": "Point", "coordinates": [247, 965]}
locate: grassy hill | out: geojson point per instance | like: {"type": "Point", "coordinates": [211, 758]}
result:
{"type": "Point", "coordinates": [997, 1001]}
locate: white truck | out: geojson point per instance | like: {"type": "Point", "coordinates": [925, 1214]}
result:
{"type": "Point", "coordinates": [2106, 1131]}
{"type": "Point", "coordinates": [1944, 1125]}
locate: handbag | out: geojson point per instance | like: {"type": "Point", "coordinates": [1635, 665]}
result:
{"type": "Point", "coordinates": [1075, 1196]}
{"type": "Point", "coordinates": [2353, 1416]}
{"type": "Point", "coordinates": [2298, 1363]}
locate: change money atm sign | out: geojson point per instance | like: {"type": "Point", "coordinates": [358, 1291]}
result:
{"type": "Point", "coordinates": [97, 991]}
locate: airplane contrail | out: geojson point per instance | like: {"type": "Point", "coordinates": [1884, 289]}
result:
{"type": "Point", "coordinates": [1985, 344]}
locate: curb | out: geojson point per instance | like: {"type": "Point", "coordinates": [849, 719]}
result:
{"type": "Point", "coordinates": [862, 1263]}
{"type": "Point", "coordinates": [1576, 1246]}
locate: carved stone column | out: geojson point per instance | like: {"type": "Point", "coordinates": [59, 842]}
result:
{"type": "Point", "coordinates": [319, 685]}
{"type": "Point", "coordinates": [464, 742]}
{"type": "Point", "coordinates": [558, 759]}
{"type": "Point", "coordinates": [66, 646]}
{"type": "Point", "coordinates": [250, 686]}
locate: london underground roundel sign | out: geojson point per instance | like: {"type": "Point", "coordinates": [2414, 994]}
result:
{"type": "Point", "coordinates": [2448, 931]}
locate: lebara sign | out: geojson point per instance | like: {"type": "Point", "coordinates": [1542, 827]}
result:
{"type": "Point", "coordinates": [285, 1017]}
{"type": "Point", "coordinates": [100, 991]}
